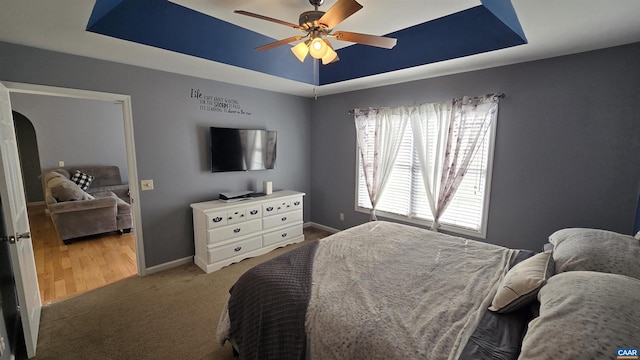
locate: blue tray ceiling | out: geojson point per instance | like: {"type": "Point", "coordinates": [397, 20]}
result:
{"type": "Point", "coordinates": [490, 26]}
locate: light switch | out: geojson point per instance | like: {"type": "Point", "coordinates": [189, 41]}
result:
{"type": "Point", "coordinates": [146, 185]}
{"type": "Point", "coordinates": [61, 163]}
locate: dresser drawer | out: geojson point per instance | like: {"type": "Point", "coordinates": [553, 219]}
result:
{"type": "Point", "coordinates": [232, 231]}
{"type": "Point", "coordinates": [253, 212]}
{"type": "Point", "coordinates": [281, 235]}
{"type": "Point", "coordinates": [235, 216]}
{"type": "Point", "coordinates": [269, 209]}
{"type": "Point", "coordinates": [281, 219]}
{"type": "Point", "coordinates": [296, 203]}
{"type": "Point", "coordinates": [215, 220]}
{"type": "Point", "coordinates": [235, 249]}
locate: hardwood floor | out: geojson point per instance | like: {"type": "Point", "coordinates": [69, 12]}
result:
{"type": "Point", "coordinates": [86, 264]}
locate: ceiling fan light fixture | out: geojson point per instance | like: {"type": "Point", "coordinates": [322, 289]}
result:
{"type": "Point", "coordinates": [331, 54]}
{"type": "Point", "coordinates": [317, 25]}
{"type": "Point", "coordinates": [301, 50]}
{"type": "Point", "coordinates": [318, 48]}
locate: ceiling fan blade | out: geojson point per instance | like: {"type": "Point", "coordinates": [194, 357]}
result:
{"type": "Point", "coordinates": [280, 42]}
{"type": "Point", "coordinates": [338, 12]}
{"type": "Point", "coordinates": [365, 39]}
{"type": "Point", "coordinates": [262, 17]}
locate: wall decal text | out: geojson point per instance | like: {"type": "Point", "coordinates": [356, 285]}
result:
{"type": "Point", "coordinates": [217, 103]}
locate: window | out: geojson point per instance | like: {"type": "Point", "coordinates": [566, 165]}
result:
{"type": "Point", "coordinates": [404, 197]}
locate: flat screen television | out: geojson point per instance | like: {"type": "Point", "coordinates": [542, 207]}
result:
{"type": "Point", "coordinates": [242, 149]}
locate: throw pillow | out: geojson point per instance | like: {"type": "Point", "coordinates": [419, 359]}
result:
{"type": "Point", "coordinates": [521, 283]}
{"type": "Point", "coordinates": [83, 180]}
{"type": "Point", "coordinates": [596, 250]}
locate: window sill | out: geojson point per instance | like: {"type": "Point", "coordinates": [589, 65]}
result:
{"type": "Point", "coordinates": [455, 230]}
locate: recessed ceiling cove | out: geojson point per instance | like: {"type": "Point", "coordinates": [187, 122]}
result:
{"type": "Point", "coordinates": [490, 26]}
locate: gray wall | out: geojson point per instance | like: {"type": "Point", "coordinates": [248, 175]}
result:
{"type": "Point", "coordinates": [76, 131]}
{"type": "Point", "coordinates": [566, 152]}
{"type": "Point", "coordinates": [170, 133]}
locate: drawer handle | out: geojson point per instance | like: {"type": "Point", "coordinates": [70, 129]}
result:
{"type": "Point", "coordinates": [253, 212]}
{"type": "Point", "coordinates": [230, 217]}
{"type": "Point", "coordinates": [242, 215]}
{"type": "Point", "coordinates": [238, 248]}
{"type": "Point", "coordinates": [270, 208]}
{"type": "Point", "coordinates": [296, 203]}
{"type": "Point", "coordinates": [284, 218]}
{"type": "Point", "coordinates": [217, 219]}
{"type": "Point", "coordinates": [284, 235]}
{"type": "Point", "coordinates": [236, 230]}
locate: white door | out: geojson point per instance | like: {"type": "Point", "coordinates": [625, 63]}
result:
{"type": "Point", "coordinates": [16, 219]}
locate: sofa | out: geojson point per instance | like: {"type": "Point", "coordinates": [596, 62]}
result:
{"type": "Point", "coordinates": [76, 213]}
{"type": "Point", "coordinates": [105, 178]}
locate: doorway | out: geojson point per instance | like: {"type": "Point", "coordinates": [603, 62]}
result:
{"type": "Point", "coordinates": [125, 102]}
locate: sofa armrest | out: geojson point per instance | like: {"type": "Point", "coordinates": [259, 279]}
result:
{"type": "Point", "coordinates": [83, 205]}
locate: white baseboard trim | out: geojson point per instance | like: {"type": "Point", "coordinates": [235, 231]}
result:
{"type": "Point", "coordinates": [168, 265]}
{"type": "Point", "coordinates": [322, 227]}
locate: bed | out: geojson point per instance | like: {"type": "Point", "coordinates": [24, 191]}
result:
{"type": "Point", "coordinates": [383, 290]}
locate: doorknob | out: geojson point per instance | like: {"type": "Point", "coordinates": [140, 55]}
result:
{"type": "Point", "coordinates": [13, 239]}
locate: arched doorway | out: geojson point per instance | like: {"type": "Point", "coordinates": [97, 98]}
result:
{"type": "Point", "coordinates": [28, 151]}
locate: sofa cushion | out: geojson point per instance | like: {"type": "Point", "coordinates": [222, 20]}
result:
{"type": "Point", "coordinates": [123, 206]}
{"type": "Point", "coordinates": [83, 180]}
{"type": "Point", "coordinates": [63, 189]}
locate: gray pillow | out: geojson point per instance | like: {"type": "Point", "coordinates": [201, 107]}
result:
{"type": "Point", "coordinates": [63, 189]}
{"type": "Point", "coordinates": [596, 250]}
{"type": "Point", "coordinates": [584, 315]}
{"type": "Point", "coordinates": [521, 283]}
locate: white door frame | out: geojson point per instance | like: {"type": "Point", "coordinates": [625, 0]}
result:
{"type": "Point", "coordinates": [132, 168]}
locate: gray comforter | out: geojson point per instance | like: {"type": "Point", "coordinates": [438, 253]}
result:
{"type": "Point", "coordinates": [378, 291]}
{"type": "Point", "coordinates": [388, 291]}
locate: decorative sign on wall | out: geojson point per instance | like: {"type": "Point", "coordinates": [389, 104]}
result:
{"type": "Point", "coordinates": [217, 104]}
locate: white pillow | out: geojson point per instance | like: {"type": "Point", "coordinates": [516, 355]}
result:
{"type": "Point", "coordinates": [596, 250]}
{"type": "Point", "coordinates": [584, 315]}
{"type": "Point", "coordinates": [521, 283]}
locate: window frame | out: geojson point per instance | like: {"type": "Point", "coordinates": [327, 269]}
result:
{"type": "Point", "coordinates": [481, 233]}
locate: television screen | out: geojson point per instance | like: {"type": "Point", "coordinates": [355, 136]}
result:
{"type": "Point", "coordinates": [242, 149]}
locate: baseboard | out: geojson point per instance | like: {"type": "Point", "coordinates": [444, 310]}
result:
{"type": "Point", "coordinates": [189, 259]}
{"type": "Point", "coordinates": [35, 203]}
{"type": "Point", "coordinates": [168, 265]}
{"type": "Point", "coordinates": [321, 227]}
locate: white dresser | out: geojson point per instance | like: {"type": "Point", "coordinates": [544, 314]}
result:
{"type": "Point", "coordinates": [226, 233]}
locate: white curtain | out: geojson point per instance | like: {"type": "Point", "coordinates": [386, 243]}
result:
{"type": "Point", "coordinates": [429, 124]}
{"type": "Point", "coordinates": [379, 152]}
{"type": "Point", "coordinates": [466, 128]}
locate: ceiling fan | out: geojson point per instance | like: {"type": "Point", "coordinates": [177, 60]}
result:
{"type": "Point", "coordinates": [318, 26]}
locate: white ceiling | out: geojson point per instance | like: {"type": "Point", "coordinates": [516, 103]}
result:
{"type": "Point", "coordinates": [552, 28]}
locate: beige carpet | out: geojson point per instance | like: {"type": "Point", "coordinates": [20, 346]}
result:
{"type": "Point", "coordinates": [169, 315]}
